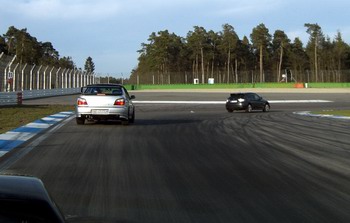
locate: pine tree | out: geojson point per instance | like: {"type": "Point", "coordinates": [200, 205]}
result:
{"type": "Point", "coordinates": [261, 40]}
{"type": "Point", "coordinates": [316, 41]}
{"type": "Point", "coordinates": [89, 65]}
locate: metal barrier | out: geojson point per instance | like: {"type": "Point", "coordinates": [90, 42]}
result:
{"type": "Point", "coordinates": [13, 98]}
{"type": "Point", "coordinates": [48, 93]}
{"type": "Point", "coordinates": [8, 98]}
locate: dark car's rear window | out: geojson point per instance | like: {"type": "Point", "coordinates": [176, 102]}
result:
{"type": "Point", "coordinates": [236, 96]}
{"type": "Point", "coordinates": [103, 91]}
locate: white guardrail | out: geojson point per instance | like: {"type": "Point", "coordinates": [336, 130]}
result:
{"type": "Point", "coordinates": [13, 98]}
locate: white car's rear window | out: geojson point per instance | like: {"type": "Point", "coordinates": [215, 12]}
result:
{"type": "Point", "coordinates": [103, 91]}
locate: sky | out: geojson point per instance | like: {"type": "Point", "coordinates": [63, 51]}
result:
{"type": "Point", "coordinates": [112, 31]}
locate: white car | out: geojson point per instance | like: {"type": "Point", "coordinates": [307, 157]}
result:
{"type": "Point", "coordinates": [105, 102]}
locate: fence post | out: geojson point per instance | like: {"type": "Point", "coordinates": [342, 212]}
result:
{"type": "Point", "coordinates": [70, 79]}
{"type": "Point", "coordinates": [50, 77]}
{"type": "Point", "coordinates": [6, 72]}
{"type": "Point", "coordinates": [84, 79]}
{"type": "Point", "coordinates": [64, 70]}
{"type": "Point", "coordinates": [38, 77]}
{"type": "Point", "coordinates": [66, 79]}
{"type": "Point", "coordinates": [77, 84]}
{"type": "Point", "coordinates": [73, 78]}
{"type": "Point", "coordinates": [57, 77]}
{"type": "Point", "coordinates": [14, 78]}
{"type": "Point", "coordinates": [44, 79]}
{"type": "Point", "coordinates": [22, 77]}
{"type": "Point", "coordinates": [31, 78]}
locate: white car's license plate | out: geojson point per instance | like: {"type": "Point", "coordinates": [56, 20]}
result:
{"type": "Point", "coordinates": [99, 111]}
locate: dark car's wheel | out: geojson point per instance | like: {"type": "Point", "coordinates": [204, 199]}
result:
{"type": "Point", "coordinates": [249, 108]}
{"type": "Point", "coordinates": [230, 110]}
{"type": "Point", "coordinates": [80, 121]}
{"type": "Point", "coordinates": [266, 108]}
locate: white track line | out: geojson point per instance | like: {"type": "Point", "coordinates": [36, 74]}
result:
{"type": "Point", "coordinates": [308, 113]}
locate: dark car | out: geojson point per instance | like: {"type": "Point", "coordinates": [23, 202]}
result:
{"type": "Point", "coordinates": [247, 102]}
{"type": "Point", "coordinates": [25, 199]}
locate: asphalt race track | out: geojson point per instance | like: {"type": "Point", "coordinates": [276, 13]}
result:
{"type": "Point", "coordinates": [199, 163]}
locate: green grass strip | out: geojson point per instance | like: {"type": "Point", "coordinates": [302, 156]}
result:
{"type": "Point", "coordinates": [207, 86]}
{"type": "Point", "coordinates": [329, 85]}
{"type": "Point", "coordinates": [231, 86]}
{"type": "Point", "coordinates": [12, 117]}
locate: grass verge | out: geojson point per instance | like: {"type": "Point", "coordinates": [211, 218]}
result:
{"type": "Point", "coordinates": [231, 86]}
{"type": "Point", "coordinates": [12, 117]}
{"type": "Point", "coordinates": [208, 86]}
{"type": "Point", "coordinates": [333, 112]}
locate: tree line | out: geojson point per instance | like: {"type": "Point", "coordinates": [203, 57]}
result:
{"type": "Point", "coordinates": [29, 50]}
{"type": "Point", "coordinates": [261, 57]}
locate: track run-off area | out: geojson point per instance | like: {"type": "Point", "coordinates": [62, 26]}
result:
{"type": "Point", "coordinates": [195, 162]}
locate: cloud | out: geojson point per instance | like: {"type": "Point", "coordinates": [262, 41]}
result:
{"type": "Point", "coordinates": [101, 9]}
{"type": "Point", "coordinates": [62, 9]}
{"type": "Point", "coordinates": [210, 7]}
{"type": "Point", "coordinates": [73, 9]}
{"type": "Point", "coordinates": [248, 8]}
{"type": "Point", "coordinates": [299, 33]}
{"type": "Point", "coordinates": [330, 32]}
{"type": "Point", "coordinates": [345, 31]}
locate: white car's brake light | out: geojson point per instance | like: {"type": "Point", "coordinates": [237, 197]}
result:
{"type": "Point", "coordinates": [119, 101]}
{"type": "Point", "coordinates": [81, 102]}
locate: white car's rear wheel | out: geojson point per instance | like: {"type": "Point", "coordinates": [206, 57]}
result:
{"type": "Point", "coordinates": [80, 121]}
{"type": "Point", "coordinates": [132, 119]}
